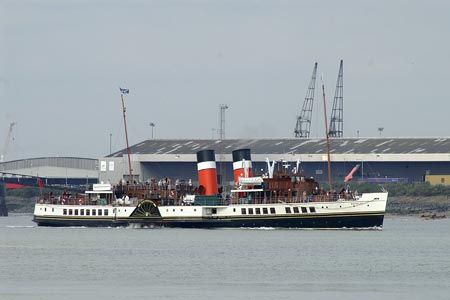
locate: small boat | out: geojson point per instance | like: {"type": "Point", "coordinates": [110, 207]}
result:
{"type": "Point", "coordinates": [274, 199]}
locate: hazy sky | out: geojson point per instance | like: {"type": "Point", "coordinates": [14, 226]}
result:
{"type": "Point", "coordinates": [62, 62]}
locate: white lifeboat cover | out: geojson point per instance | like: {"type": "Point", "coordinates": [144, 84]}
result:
{"type": "Point", "coordinates": [250, 180]}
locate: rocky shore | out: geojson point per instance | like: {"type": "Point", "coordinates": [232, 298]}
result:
{"type": "Point", "coordinates": [427, 207]}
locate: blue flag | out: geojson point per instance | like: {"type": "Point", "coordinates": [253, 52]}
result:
{"type": "Point", "coordinates": [124, 91]}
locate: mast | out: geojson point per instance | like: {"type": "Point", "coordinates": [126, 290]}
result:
{"type": "Point", "coordinates": [326, 133]}
{"type": "Point", "coordinates": [126, 91]}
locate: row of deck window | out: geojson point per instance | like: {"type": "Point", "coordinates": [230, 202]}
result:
{"type": "Point", "coordinates": [265, 210]}
{"type": "Point", "coordinates": [83, 212]}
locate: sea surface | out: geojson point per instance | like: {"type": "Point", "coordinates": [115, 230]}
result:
{"type": "Point", "coordinates": [408, 259]}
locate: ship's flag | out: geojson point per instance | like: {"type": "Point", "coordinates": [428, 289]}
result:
{"type": "Point", "coordinates": [350, 175]}
{"type": "Point", "coordinates": [124, 91]}
{"type": "Point", "coordinates": [40, 183]}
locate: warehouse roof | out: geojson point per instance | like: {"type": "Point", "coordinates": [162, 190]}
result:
{"type": "Point", "coordinates": [429, 145]}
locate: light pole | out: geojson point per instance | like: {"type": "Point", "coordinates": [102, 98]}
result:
{"type": "Point", "coordinates": [223, 107]}
{"type": "Point", "coordinates": [110, 143]}
{"type": "Point", "coordinates": [152, 125]}
{"type": "Point", "coordinates": [380, 129]}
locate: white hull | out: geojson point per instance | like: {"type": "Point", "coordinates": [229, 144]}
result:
{"type": "Point", "coordinates": [367, 211]}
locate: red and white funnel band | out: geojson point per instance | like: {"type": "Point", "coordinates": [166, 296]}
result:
{"type": "Point", "coordinates": [207, 175]}
{"type": "Point", "coordinates": [242, 164]}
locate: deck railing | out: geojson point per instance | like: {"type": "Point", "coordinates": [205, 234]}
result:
{"type": "Point", "coordinates": [164, 196]}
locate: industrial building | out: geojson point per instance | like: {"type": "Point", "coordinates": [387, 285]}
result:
{"type": "Point", "coordinates": [51, 170]}
{"type": "Point", "coordinates": [379, 159]}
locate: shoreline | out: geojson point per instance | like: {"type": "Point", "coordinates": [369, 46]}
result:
{"type": "Point", "coordinates": [425, 207]}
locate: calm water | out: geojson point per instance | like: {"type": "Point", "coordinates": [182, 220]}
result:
{"type": "Point", "coordinates": [408, 259]}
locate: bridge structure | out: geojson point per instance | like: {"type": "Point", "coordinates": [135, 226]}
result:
{"type": "Point", "coordinates": [3, 209]}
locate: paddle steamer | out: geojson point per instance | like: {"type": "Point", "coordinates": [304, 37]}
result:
{"type": "Point", "coordinates": [274, 199]}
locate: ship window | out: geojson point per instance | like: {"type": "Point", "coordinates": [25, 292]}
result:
{"type": "Point", "coordinates": [234, 209]}
{"type": "Point", "coordinates": [304, 210]}
{"type": "Point", "coordinates": [296, 211]}
{"type": "Point", "coordinates": [99, 212]}
{"type": "Point", "coordinates": [81, 212]}
{"type": "Point", "coordinates": [288, 210]}
{"type": "Point", "coordinates": [76, 212]}
{"type": "Point", "coordinates": [105, 212]}
{"type": "Point", "coordinates": [70, 212]}
{"type": "Point", "coordinates": [272, 210]}
{"type": "Point", "coordinates": [250, 211]}
{"type": "Point", "coordinates": [93, 212]}
{"type": "Point", "coordinates": [88, 212]}
{"type": "Point", "coordinates": [243, 211]}
{"type": "Point", "coordinates": [64, 211]}
{"type": "Point", "coordinates": [258, 211]}
{"type": "Point", "coordinates": [214, 210]}
{"type": "Point", "coordinates": [45, 209]}
{"type": "Point", "coordinates": [195, 209]}
{"type": "Point", "coordinates": [53, 210]}
{"type": "Point", "coordinates": [265, 210]}
{"type": "Point", "coordinates": [312, 209]}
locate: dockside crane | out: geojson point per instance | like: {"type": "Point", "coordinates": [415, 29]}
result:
{"type": "Point", "coordinates": [302, 128]}
{"type": "Point", "coordinates": [337, 113]}
{"type": "Point", "coordinates": [8, 138]}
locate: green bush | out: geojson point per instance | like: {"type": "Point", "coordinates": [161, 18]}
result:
{"type": "Point", "coordinates": [30, 192]}
{"type": "Point", "coordinates": [27, 192]}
